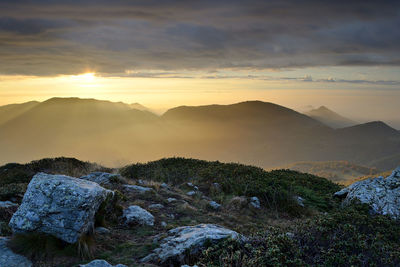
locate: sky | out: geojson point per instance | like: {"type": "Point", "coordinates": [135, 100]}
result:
{"type": "Point", "coordinates": [342, 54]}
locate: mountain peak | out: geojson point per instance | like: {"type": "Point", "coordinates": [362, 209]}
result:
{"type": "Point", "coordinates": [329, 117]}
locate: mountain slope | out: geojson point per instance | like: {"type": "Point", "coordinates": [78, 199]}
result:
{"type": "Point", "coordinates": [253, 132]}
{"type": "Point", "coordinates": [9, 112]}
{"type": "Point", "coordinates": [72, 126]}
{"type": "Point", "coordinates": [329, 117]}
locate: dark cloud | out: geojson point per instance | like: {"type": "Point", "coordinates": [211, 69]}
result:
{"type": "Point", "coordinates": [46, 37]}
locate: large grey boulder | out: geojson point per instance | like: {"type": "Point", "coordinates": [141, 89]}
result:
{"type": "Point", "coordinates": [135, 214]}
{"type": "Point", "coordinates": [382, 195]}
{"type": "Point", "coordinates": [101, 263]}
{"type": "Point", "coordinates": [181, 240]}
{"type": "Point", "coordinates": [59, 205]}
{"type": "Point", "coordinates": [102, 178]}
{"type": "Point", "coordinates": [9, 258]}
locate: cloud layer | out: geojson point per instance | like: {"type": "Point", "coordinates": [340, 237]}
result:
{"type": "Point", "coordinates": [68, 36]}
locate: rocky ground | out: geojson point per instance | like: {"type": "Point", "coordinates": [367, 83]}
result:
{"type": "Point", "coordinates": [181, 211]}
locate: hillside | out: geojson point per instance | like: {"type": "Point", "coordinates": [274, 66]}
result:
{"type": "Point", "coordinates": [294, 213]}
{"type": "Point", "coordinates": [342, 172]}
{"type": "Point", "coordinates": [9, 112]}
{"type": "Point", "coordinates": [329, 117]}
{"type": "Point", "coordinates": [252, 132]}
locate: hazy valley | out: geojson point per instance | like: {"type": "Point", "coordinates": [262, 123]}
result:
{"type": "Point", "coordinates": [254, 132]}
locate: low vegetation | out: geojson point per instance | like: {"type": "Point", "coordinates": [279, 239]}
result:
{"type": "Point", "coordinates": [276, 189]}
{"type": "Point", "coordinates": [347, 237]}
{"type": "Point", "coordinates": [280, 233]}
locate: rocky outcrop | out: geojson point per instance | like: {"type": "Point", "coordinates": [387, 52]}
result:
{"type": "Point", "coordinates": [380, 194]}
{"type": "Point", "coordinates": [188, 239]}
{"type": "Point", "coordinates": [59, 205]}
{"type": "Point", "coordinates": [102, 178]}
{"type": "Point", "coordinates": [9, 258]}
{"type": "Point", "coordinates": [101, 263]}
{"type": "Point", "coordinates": [137, 215]}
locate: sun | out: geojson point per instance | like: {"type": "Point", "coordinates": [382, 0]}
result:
{"type": "Point", "coordinates": [85, 77]}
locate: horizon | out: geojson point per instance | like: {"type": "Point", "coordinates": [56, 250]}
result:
{"type": "Point", "coordinates": [345, 56]}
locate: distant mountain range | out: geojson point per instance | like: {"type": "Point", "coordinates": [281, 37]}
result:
{"type": "Point", "coordinates": [342, 172]}
{"type": "Point", "coordinates": [254, 132]}
{"type": "Point", "coordinates": [330, 118]}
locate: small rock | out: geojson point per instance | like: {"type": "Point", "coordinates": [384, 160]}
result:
{"type": "Point", "coordinates": [9, 258]}
{"type": "Point", "coordinates": [163, 224]}
{"type": "Point", "coordinates": [214, 205]}
{"type": "Point", "coordinates": [102, 230]}
{"type": "Point", "coordinates": [191, 193]}
{"type": "Point", "coordinates": [101, 263]}
{"type": "Point", "coordinates": [7, 209]}
{"type": "Point", "coordinates": [171, 199]}
{"type": "Point", "coordinates": [156, 206]}
{"type": "Point", "coordinates": [299, 200]}
{"type": "Point", "coordinates": [255, 202]}
{"type": "Point", "coordinates": [137, 188]}
{"type": "Point", "coordinates": [164, 185]}
{"type": "Point", "coordinates": [8, 204]}
{"type": "Point", "coordinates": [193, 186]}
{"type": "Point", "coordinates": [135, 214]}
{"type": "Point", "coordinates": [102, 178]}
{"type": "Point", "coordinates": [186, 240]}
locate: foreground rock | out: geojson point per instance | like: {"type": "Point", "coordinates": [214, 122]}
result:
{"type": "Point", "coordinates": [59, 205]}
{"type": "Point", "coordinates": [135, 214]}
{"type": "Point", "coordinates": [187, 239]}
{"type": "Point", "coordinates": [382, 195]}
{"type": "Point", "coordinates": [102, 178]}
{"type": "Point", "coordinates": [9, 258]}
{"type": "Point", "coordinates": [101, 263]}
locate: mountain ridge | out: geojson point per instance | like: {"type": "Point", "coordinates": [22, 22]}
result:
{"type": "Point", "coordinates": [252, 132]}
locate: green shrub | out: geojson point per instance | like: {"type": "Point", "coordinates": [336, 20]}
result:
{"type": "Point", "coordinates": [23, 173]}
{"type": "Point", "coordinates": [276, 189]}
{"type": "Point", "coordinates": [348, 237]}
